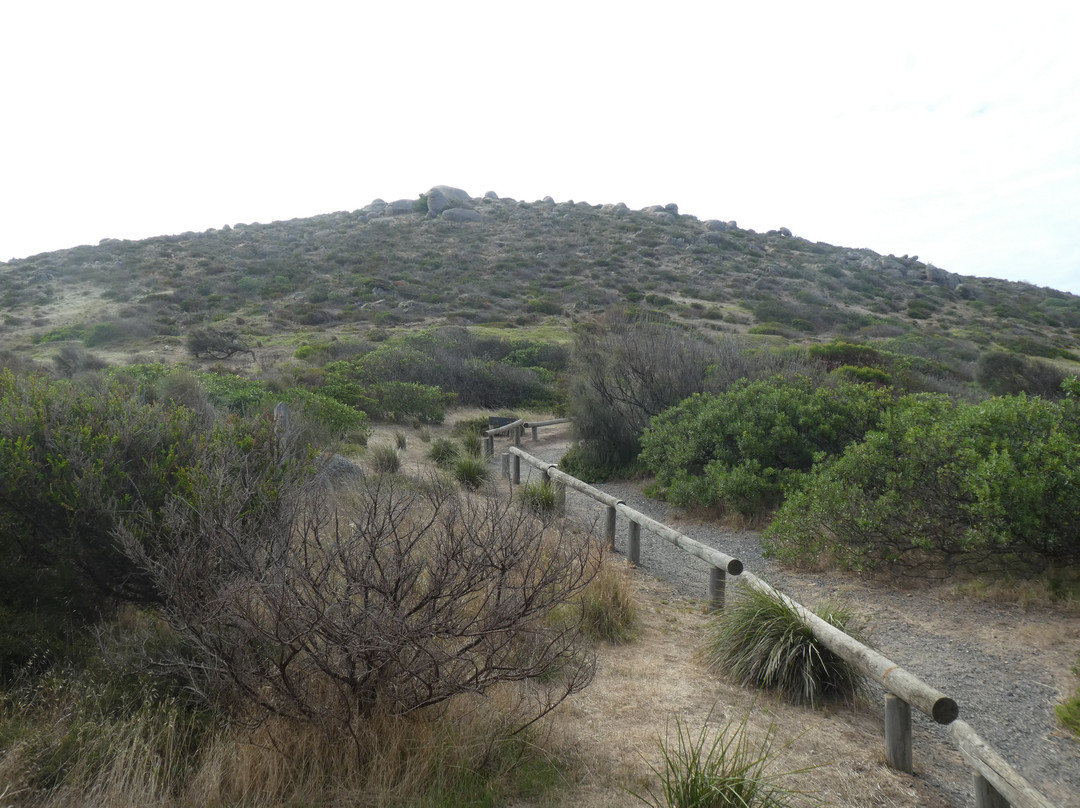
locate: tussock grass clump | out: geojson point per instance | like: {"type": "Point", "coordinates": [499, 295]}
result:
{"type": "Point", "coordinates": [540, 498]}
{"type": "Point", "coordinates": [725, 770]}
{"type": "Point", "coordinates": [1068, 712]}
{"type": "Point", "coordinates": [443, 452]}
{"type": "Point", "coordinates": [385, 460]}
{"type": "Point", "coordinates": [608, 610]}
{"type": "Point", "coordinates": [761, 642]}
{"type": "Point", "coordinates": [471, 471]}
{"type": "Point", "coordinates": [472, 444]}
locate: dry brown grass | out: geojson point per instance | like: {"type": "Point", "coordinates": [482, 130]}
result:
{"type": "Point", "coordinates": [609, 732]}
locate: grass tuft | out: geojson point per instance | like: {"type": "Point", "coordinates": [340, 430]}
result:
{"type": "Point", "coordinates": [1068, 712]}
{"type": "Point", "coordinates": [761, 642]}
{"type": "Point", "coordinates": [608, 610]}
{"type": "Point", "coordinates": [540, 498]}
{"type": "Point", "coordinates": [725, 770]}
{"type": "Point", "coordinates": [443, 452]}
{"type": "Point", "coordinates": [471, 471]}
{"type": "Point", "coordinates": [385, 460]}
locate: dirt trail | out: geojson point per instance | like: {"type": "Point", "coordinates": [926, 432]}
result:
{"type": "Point", "coordinates": [1005, 665]}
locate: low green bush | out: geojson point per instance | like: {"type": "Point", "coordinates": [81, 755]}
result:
{"type": "Point", "coordinates": [741, 449]}
{"type": "Point", "coordinates": [942, 485]}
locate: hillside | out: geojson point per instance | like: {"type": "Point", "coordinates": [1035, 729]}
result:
{"type": "Point", "coordinates": [520, 268]}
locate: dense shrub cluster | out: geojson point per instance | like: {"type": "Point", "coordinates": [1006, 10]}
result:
{"type": "Point", "coordinates": [319, 416]}
{"type": "Point", "coordinates": [77, 464]}
{"type": "Point", "coordinates": [465, 368]}
{"type": "Point", "coordinates": [1003, 373]}
{"type": "Point", "coordinates": [742, 448]}
{"type": "Point", "coordinates": [625, 371]}
{"type": "Point", "coordinates": [942, 484]}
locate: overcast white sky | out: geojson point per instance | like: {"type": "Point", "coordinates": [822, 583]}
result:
{"type": "Point", "coordinates": [945, 130]}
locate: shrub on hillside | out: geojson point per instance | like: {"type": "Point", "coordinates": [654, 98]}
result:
{"type": "Point", "coordinates": [740, 449]}
{"type": "Point", "coordinates": [1002, 373]}
{"type": "Point", "coordinates": [940, 485]}
{"type": "Point", "coordinates": [621, 375]}
{"type": "Point", "coordinates": [479, 371]}
{"type": "Point", "coordinates": [79, 463]}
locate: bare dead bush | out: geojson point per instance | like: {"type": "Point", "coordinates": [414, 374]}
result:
{"type": "Point", "coordinates": [392, 598]}
{"type": "Point", "coordinates": [623, 372]}
{"type": "Point", "coordinates": [213, 343]}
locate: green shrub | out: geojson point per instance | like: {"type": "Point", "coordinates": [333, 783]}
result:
{"type": "Point", "coordinates": [1004, 374]}
{"type": "Point", "coordinates": [400, 401]}
{"type": "Point", "coordinates": [727, 770]}
{"type": "Point", "coordinates": [742, 448]}
{"type": "Point", "coordinates": [761, 642]}
{"type": "Point", "coordinates": [622, 374]}
{"type": "Point", "coordinates": [836, 353]}
{"type": "Point", "coordinates": [81, 465]}
{"type": "Point", "coordinates": [864, 375]}
{"type": "Point", "coordinates": [941, 485]}
{"type": "Point", "coordinates": [471, 471]}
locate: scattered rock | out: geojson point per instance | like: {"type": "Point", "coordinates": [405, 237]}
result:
{"type": "Point", "coordinates": [716, 226]}
{"type": "Point", "coordinates": [455, 195]}
{"type": "Point", "coordinates": [461, 215]}
{"type": "Point", "coordinates": [491, 195]}
{"type": "Point", "coordinates": [400, 207]}
{"type": "Point", "coordinates": [437, 202]}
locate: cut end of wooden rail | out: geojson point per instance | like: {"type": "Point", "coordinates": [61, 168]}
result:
{"type": "Point", "coordinates": [945, 710]}
{"type": "Point", "coordinates": [734, 567]}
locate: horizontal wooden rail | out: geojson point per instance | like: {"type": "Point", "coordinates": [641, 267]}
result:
{"type": "Point", "coordinates": [887, 673]}
{"type": "Point", "coordinates": [505, 428]}
{"type": "Point", "coordinates": [994, 771]}
{"type": "Point", "coordinates": [551, 422]}
{"type": "Point", "coordinates": [732, 566]}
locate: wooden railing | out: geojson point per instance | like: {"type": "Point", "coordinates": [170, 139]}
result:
{"type": "Point", "coordinates": [515, 429]}
{"type": "Point", "coordinates": [997, 784]}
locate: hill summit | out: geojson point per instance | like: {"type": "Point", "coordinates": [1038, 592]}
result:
{"type": "Point", "coordinates": [449, 258]}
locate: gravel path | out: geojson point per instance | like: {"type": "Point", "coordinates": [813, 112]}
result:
{"type": "Point", "coordinates": [1002, 664]}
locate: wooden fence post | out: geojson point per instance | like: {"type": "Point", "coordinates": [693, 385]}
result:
{"type": "Point", "coordinates": [517, 470]}
{"type": "Point", "coordinates": [717, 585]}
{"type": "Point", "coordinates": [610, 531]}
{"type": "Point", "coordinates": [489, 446]}
{"type": "Point", "coordinates": [898, 733]}
{"type": "Point", "coordinates": [634, 549]}
{"type": "Point", "coordinates": [535, 438]}
{"type": "Point", "coordinates": [986, 796]}
{"type": "Point", "coordinates": [517, 434]}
